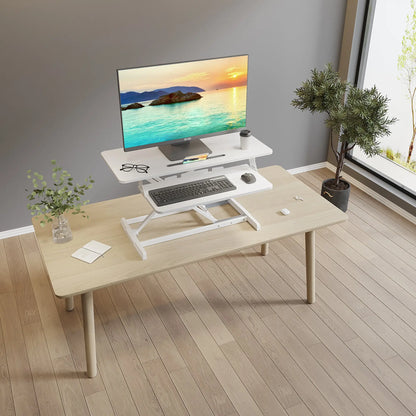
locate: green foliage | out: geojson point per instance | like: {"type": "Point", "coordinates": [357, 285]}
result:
{"type": "Point", "coordinates": [364, 119]}
{"type": "Point", "coordinates": [324, 92]}
{"type": "Point", "coordinates": [399, 159]}
{"type": "Point", "coordinates": [356, 116]}
{"type": "Point", "coordinates": [61, 197]}
{"type": "Point", "coordinates": [389, 153]}
{"type": "Point", "coordinates": [406, 62]}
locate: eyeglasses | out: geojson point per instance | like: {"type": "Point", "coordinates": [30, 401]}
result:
{"type": "Point", "coordinates": [128, 167]}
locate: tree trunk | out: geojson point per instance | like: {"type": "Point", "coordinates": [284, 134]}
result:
{"type": "Point", "coordinates": [412, 97]}
{"type": "Point", "coordinates": [409, 155]}
{"type": "Point", "coordinates": [340, 163]}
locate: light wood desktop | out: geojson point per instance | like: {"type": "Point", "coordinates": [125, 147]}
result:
{"type": "Point", "coordinates": [70, 277]}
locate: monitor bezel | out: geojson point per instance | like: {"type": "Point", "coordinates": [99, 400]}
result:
{"type": "Point", "coordinates": [184, 139]}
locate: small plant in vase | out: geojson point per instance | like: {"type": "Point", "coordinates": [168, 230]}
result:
{"type": "Point", "coordinates": [355, 116]}
{"type": "Point", "coordinates": [52, 202]}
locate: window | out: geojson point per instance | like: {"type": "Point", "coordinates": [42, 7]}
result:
{"type": "Point", "coordinates": [388, 61]}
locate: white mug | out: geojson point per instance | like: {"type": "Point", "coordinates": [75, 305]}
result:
{"type": "Point", "coordinates": [244, 142]}
{"type": "Point", "coordinates": [245, 139]}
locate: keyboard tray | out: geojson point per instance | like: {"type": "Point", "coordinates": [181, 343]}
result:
{"type": "Point", "coordinates": [233, 174]}
{"type": "Point", "coordinates": [191, 190]}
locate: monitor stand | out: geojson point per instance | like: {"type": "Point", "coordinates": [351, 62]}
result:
{"type": "Point", "coordinates": [181, 150]}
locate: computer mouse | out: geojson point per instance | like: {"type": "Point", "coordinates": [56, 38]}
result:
{"type": "Point", "coordinates": [285, 211]}
{"type": "Point", "coordinates": [248, 177]}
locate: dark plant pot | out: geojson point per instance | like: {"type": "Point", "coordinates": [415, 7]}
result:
{"type": "Point", "coordinates": [338, 197]}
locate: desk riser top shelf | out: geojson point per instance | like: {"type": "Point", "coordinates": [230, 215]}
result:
{"type": "Point", "coordinates": [228, 144]}
{"type": "Point", "coordinates": [70, 276]}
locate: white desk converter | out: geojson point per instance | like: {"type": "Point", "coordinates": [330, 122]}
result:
{"type": "Point", "coordinates": [159, 166]}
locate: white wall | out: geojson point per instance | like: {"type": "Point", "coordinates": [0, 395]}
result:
{"type": "Point", "coordinates": [58, 77]}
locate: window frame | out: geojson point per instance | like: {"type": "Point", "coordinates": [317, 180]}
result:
{"type": "Point", "coordinates": [357, 78]}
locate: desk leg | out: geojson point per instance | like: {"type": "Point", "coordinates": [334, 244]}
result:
{"type": "Point", "coordinates": [310, 265]}
{"type": "Point", "coordinates": [265, 249]}
{"type": "Point", "coordinates": [89, 333]}
{"type": "Point", "coordinates": [69, 303]}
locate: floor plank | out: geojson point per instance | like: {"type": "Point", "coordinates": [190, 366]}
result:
{"type": "Point", "coordinates": [168, 397]}
{"type": "Point", "coordinates": [25, 299]}
{"type": "Point", "coordinates": [130, 366]}
{"type": "Point", "coordinates": [44, 381]}
{"type": "Point", "coordinates": [6, 285]}
{"type": "Point", "coordinates": [21, 377]}
{"type": "Point", "coordinates": [163, 301]}
{"type": "Point", "coordinates": [6, 397]}
{"type": "Point", "coordinates": [251, 331]}
{"type": "Point", "coordinates": [239, 396]}
{"type": "Point", "coordinates": [209, 278]}
{"type": "Point", "coordinates": [160, 337]}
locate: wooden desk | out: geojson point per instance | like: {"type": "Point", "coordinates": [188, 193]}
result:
{"type": "Point", "coordinates": [71, 277]}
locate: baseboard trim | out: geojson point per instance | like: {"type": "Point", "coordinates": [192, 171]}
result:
{"type": "Point", "coordinates": [16, 231]}
{"type": "Point", "coordinates": [394, 207]}
{"type": "Point", "coordinates": [307, 168]}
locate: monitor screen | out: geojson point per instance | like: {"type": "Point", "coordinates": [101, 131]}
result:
{"type": "Point", "coordinates": [173, 103]}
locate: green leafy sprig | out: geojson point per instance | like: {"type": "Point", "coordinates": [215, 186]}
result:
{"type": "Point", "coordinates": [64, 194]}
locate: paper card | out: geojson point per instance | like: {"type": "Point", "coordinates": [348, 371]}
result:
{"type": "Point", "coordinates": [97, 247]}
{"type": "Point", "coordinates": [85, 255]}
{"type": "Point", "coordinates": [91, 251]}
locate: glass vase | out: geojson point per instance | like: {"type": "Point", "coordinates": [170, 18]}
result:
{"type": "Point", "coordinates": [61, 231]}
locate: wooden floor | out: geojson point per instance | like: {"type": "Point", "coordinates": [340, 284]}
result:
{"type": "Point", "coordinates": [230, 336]}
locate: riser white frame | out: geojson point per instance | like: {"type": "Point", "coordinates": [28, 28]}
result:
{"type": "Point", "coordinates": [140, 245]}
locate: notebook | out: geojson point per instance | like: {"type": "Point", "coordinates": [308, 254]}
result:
{"type": "Point", "coordinates": [91, 251]}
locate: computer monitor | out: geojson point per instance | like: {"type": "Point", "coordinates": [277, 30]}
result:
{"type": "Point", "coordinates": [174, 105]}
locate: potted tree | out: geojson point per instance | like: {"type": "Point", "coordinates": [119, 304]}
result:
{"type": "Point", "coordinates": [355, 116]}
{"type": "Point", "coordinates": [52, 202]}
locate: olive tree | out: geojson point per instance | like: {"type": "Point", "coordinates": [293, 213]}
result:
{"type": "Point", "coordinates": [355, 116]}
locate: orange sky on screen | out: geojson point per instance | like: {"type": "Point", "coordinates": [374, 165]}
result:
{"type": "Point", "coordinates": [209, 75]}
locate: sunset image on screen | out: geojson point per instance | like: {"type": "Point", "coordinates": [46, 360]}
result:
{"type": "Point", "coordinates": [208, 74]}
{"type": "Point", "coordinates": [174, 101]}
